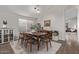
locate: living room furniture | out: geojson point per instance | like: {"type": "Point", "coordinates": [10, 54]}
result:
{"type": "Point", "coordinates": [38, 35]}
{"type": "Point", "coordinates": [6, 35]}
{"type": "Point", "coordinates": [27, 39]}
{"type": "Point", "coordinates": [46, 38]}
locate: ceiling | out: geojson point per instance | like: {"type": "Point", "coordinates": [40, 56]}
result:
{"type": "Point", "coordinates": [28, 10]}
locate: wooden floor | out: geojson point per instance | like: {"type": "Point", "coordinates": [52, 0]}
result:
{"type": "Point", "coordinates": [64, 49]}
{"type": "Point", "coordinates": [73, 48]}
{"type": "Point", "coordinates": [6, 49]}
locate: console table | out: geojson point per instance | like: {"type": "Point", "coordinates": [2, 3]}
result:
{"type": "Point", "coordinates": [6, 35]}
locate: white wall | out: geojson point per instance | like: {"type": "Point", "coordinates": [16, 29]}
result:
{"type": "Point", "coordinates": [70, 12]}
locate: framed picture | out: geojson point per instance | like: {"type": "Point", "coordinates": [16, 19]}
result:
{"type": "Point", "coordinates": [47, 23]}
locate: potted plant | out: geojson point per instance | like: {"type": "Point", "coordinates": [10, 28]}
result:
{"type": "Point", "coordinates": [33, 28]}
{"type": "Point", "coordinates": [36, 27]}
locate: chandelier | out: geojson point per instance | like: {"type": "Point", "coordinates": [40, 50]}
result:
{"type": "Point", "coordinates": [36, 8]}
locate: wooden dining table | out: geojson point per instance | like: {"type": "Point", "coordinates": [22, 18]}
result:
{"type": "Point", "coordinates": [38, 36]}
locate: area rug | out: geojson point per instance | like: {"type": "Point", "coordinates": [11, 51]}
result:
{"type": "Point", "coordinates": [6, 49]}
{"type": "Point", "coordinates": [20, 49]}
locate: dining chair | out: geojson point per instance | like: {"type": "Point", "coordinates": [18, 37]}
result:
{"type": "Point", "coordinates": [26, 40]}
{"type": "Point", "coordinates": [49, 35]}
{"type": "Point", "coordinates": [21, 38]}
{"type": "Point", "coordinates": [30, 40]}
{"type": "Point", "coordinates": [45, 39]}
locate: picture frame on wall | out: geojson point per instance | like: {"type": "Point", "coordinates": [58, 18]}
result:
{"type": "Point", "coordinates": [47, 23]}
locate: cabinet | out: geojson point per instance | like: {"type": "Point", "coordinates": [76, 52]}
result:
{"type": "Point", "coordinates": [6, 35]}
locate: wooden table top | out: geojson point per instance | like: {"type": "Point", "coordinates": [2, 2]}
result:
{"type": "Point", "coordinates": [37, 33]}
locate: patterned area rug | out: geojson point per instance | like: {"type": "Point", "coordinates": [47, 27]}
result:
{"type": "Point", "coordinates": [20, 49]}
{"type": "Point", "coordinates": [6, 49]}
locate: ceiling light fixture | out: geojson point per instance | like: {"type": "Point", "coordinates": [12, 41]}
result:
{"type": "Point", "coordinates": [36, 8]}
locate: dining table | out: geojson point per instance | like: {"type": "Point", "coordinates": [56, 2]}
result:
{"type": "Point", "coordinates": [38, 36]}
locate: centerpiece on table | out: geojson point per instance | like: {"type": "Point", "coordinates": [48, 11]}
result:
{"type": "Point", "coordinates": [35, 27]}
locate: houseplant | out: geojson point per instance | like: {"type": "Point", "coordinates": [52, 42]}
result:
{"type": "Point", "coordinates": [35, 27]}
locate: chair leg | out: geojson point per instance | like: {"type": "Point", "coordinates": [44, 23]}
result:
{"type": "Point", "coordinates": [38, 45]}
{"type": "Point", "coordinates": [21, 41]}
{"type": "Point", "coordinates": [47, 45]}
{"type": "Point", "coordinates": [50, 43]}
{"type": "Point", "coordinates": [30, 47]}
{"type": "Point", "coordinates": [25, 44]}
{"type": "Point", "coordinates": [18, 40]}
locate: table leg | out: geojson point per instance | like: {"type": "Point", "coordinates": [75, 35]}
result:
{"type": "Point", "coordinates": [30, 45]}
{"type": "Point", "coordinates": [38, 43]}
